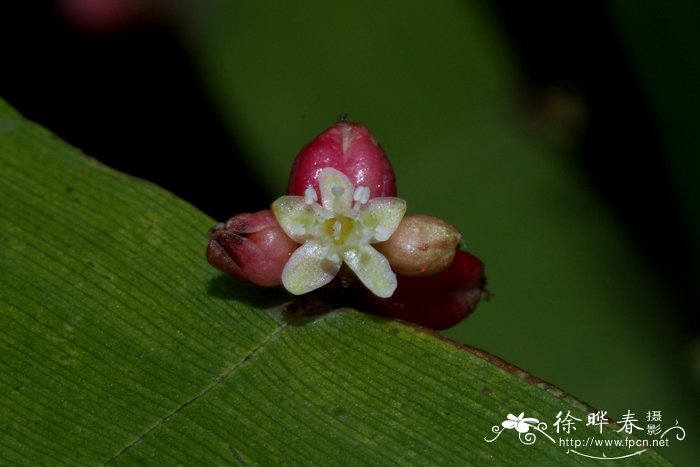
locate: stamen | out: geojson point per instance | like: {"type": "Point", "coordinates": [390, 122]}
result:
{"type": "Point", "coordinates": [310, 195]}
{"type": "Point", "coordinates": [361, 194]}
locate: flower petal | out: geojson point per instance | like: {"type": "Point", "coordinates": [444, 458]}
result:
{"type": "Point", "coordinates": [509, 424]}
{"type": "Point", "coordinates": [296, 218]}
{"type": "Point", "coordinates": [308, 269]}
{"type": "Point", "coordinates": [522, 427]}
{"type": "Point", "coordinates": [381, 217]}
{"type": "Point", "coordinates": [336, 190]}
{"type": "Point", "coordinates": [373, 269]}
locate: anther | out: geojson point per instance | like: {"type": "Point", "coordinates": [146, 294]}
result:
{"type": "Point", "coordinates": [361, 194]}
{"type": "Point", "coordinates": [310, 195]}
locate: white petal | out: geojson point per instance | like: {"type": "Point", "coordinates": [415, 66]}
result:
{"type": "Point", "coordinates": [381, 217]}
{"type": "Point", "coordinates": [522, 427]}
{"type": "Point", "coordinates": [336, 190]}
{"type": "Point", "coordinates": [296, 218]}
{"type": "Point", "coordinates": [373, 269]}
{"type": "Point", "coordinates": [308, 269]}
{"type": "Point", "coordinates": [509, 424]}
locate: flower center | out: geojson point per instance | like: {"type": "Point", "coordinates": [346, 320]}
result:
{"type": "Point", "coordinates": [338, 228]}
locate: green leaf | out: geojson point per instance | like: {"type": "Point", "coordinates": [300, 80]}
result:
{"type": "Point", "coordinates": [120, 344]}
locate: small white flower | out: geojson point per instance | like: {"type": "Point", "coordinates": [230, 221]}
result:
{"type": "Point", "coordinates": [339, 229]}
{"type": "Point", "coordinates": [521, 425]}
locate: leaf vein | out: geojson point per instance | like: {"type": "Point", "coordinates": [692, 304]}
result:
{"type": "Point", "coordinates": [237, 455]}
{"type": "Point", "coordinates": [217, 381]}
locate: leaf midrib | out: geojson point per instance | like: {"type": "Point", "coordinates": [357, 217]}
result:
{"type": "Point", "coordinates": [218, 380]}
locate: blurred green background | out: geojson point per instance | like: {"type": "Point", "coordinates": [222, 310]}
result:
{"type": "Point", "coordinates": [558, 138]}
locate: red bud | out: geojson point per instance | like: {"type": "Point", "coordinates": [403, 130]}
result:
{"type": "Point", "coordinates": [439, 301]}
{"type": "Point", "coordinates": [251, 247]}
{"type": "Point", "coordinates": [349, 148]}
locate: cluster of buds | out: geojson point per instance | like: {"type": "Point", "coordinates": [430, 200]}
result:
{"type": "Point", "coordinates": [341, 219]}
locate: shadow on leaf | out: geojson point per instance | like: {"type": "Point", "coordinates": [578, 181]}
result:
{"type": "Point", "coordinates": [295, 310]}
{"type": "Point", "coordinates": [222, 286]}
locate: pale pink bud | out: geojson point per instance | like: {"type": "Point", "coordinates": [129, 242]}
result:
{"type": "Point", "coordinates": [421, 246]}
{"type": "Point", "coordinates": [349, 148]}
{"type": "Point", "coordinates": [251, 247]}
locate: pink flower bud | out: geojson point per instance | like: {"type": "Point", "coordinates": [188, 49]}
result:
{"type": "Point", "coordinates": [421, 246]}
{"type": "Point", "coordinates": [437, 302]}
{"type": "Point", "coordinates": [349, 148]}
{"type": "Point", "coordinates": [251, 247]}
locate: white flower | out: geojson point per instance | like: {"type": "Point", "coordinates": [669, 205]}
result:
{"type": "Point", "coordinates": [339, 229]}
{"type": "Point", "coordinates": [522, 425]}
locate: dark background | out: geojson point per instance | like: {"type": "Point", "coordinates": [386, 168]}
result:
{"type": "Point", "coordinates": [121, 93]}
